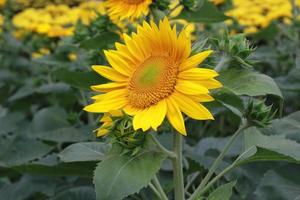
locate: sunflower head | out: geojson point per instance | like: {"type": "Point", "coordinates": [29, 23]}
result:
{"type": "Point", "coordinates": [154, 76]}
{"type": "Point", "coordinates": [119, 10]}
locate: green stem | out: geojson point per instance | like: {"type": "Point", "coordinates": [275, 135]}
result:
{"type": "Point", "coordinates": [160, 189]}
{"type": "Point", "coordinates": [154, 190]}
{"type": "Point", "coordinates": [177, 167]}
{"type": "Point", "coordinates": [226, 170]}
{"type": "Point", "coordinates": [224, 59]}
{"type": "Point", "coordinates": [170, 154]}
{"type": "Point", "coordinates": [217, 162]}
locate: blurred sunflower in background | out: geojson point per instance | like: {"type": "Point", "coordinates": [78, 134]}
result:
{"type": "Point", "coordinates": [127, 9]}
{"type": "Point", "coordinates": [57, 20]}
{"type": "Point", "coordinates": [154, 76]}
{"type": "Point", "coordinates": [254, 15]}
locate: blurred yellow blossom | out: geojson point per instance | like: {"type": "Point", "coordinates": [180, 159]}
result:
{"type": "Point", "coordinates": [1, 21]}
{"type": "Point", "coordinates": [72, 56]}
{"type": "Point", "coordinates": [217, 2]}
{"type": "Point", "coordinates": [40, 53]}
{"type": "Point", "coordinates": [2, 3]}
{"type": "Point", "coordinates": [256, 14]}
{"type": "Point", "coordinates": [21, 4]}
{"type": "Point", "coordinates": [57, 20]}
{"type": "Point", "coordinates": [176, 9]}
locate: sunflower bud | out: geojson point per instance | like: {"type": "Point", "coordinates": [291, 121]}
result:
{"type": "Point", "coordinates": [258, 113]}
{"type": "Point", "coordinates": [237, 48]}
{"type": "Point", "coordinates": [161, 4]}
{"type": "Point", "coordinates": [119, 126]}
{"type": "Point", "coordinates": [189, 4]}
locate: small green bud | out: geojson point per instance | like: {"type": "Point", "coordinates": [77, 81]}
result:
{"type": "Point", "coordinates": [124, 134]}
{"type": "Point", "coordinates": [189, 4]}
{"type": "Point", "coordinates": [258, 113]}
{"type": "Point", "coordinates": [161, 4]}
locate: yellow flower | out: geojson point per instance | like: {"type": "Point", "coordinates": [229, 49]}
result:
{"type": "Point", "coordinates": [2, 3]}
{"type": "Point", "coordinates": [1, 21]}
{"type": "Point", "coordinates": [176, 10]}
{"type": "Point", "coordinates": [42, 52]}
{"type": "Point", "coordinates": [217, 2]}
{"type": "Point", "coordinates": [72, 56]}
{"type": "Point", "coordinates": [153, 76]}
{"type": "Point", "coordinates": [57, 20]}
{"type": "Point", "coordinates": [254, 15]}
{"type": "Point", "coordinates": [127, 9]}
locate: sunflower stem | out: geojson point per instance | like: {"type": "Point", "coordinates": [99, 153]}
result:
{"type": "Point", "coordinates": [154, 190]}
{"type": "Point", "coordinates": [177, 167]}
{"type": "Point", "coordinates": [223, 61]}
{"type": "Point", "coordinates": [217, 162]}
{"type": "Point", "coordinates": [157, 184]}
{"type": "Point", "coordinates": [170, 154]}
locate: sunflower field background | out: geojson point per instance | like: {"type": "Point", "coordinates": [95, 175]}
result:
{"type": "Point", "coordinates": [51, 148]}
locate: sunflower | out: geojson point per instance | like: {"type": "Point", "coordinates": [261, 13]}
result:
{"type": "Point", "coordinates": [127, 9]}
{"type": "Point", "coordinates": [155, 76]}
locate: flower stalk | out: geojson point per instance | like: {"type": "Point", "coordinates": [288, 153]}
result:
{"type": "Point", "coordinates": [200, 189]}
{"type": "Point", "coordinates": [177, 168]}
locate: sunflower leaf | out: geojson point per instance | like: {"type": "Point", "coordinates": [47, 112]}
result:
{"type": "Point", "coordinates": [120, 175]}
{"type": "Point", "coordinates": [206, 12]}
{"type": "Point", "coordinates": [247, 82]}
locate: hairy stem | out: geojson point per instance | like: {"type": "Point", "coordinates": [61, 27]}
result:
{"type": "Point", "coordinates": [170, 154]}
{"type": "Point", "coordinates": [217, 162]}
{"type": "Point", "coordinates": [177, 168]}
{"type": "Point", "coordinates": [159, 188]}
{"type": "Point", "coordinates": [154, 190]}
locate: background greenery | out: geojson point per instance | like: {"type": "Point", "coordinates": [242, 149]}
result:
{"type": "Point", "coordinates": [49, 150]}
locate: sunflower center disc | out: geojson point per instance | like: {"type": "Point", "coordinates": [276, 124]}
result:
{"type": "Point", "coordinates": [153, 80]}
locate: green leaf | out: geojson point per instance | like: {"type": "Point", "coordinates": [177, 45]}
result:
{"type": "Point", "coordinates": [80, 80]}
{"type": "Point", "coordinates": [206, 12]}
{"type": "Point", "coordinates": [20, 150]}
{"type": "Point", "coordinates": [288, 126]}
{"type": "Point", "coordinates": [26, 187]}
{"type": "Point", "coordinates": [85, 151]}
{"type": "Point", "coordinates": [10, 122]}
{"type": "Point", "coordinates": [118, 176]}
{"type": "Point", "coordinates": [261, 147]}
{"type": "Point", "coordinates": [223, 192]}
{"type": "Point", "coordinates": [51, 124]}
{"type": "Point", "coordinates": [279, 184]}
{"type": "Point", "coordinates": [100, 41]}
{"type": "Point", "coordinates": [230, 100]}
{"type": "Point", "coordinates": [78, 193]}
{"type": "Point", "coordinates": [50, 166]}
{"type": "Point", "coordinates": [247, 82]}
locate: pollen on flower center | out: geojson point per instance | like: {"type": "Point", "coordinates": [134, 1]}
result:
{"type": "Point", "coordinates": [153, 80]}
{"type": "Point", "coordinates": [133, 1]}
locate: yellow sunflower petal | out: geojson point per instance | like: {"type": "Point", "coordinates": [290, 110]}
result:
{"type": "Point", "coordinates": [195, 60]}
{"type": "Point", "coordinates": [174, 116]}
{"type": "Point", "coordinates": [101, 132]}
{"type": "Point", "coordinates": [197, 74]}
{"type": "Point", "coordinates": [106, 105]}
{"type": "Point", "coordinates": [108, 87]}
{"type": "Point", "coordinates": [109, 73]}
{"type": "Point", "coordinates": [191, 108]}
{"type": "Point", "coordinates": [129, 110]}
{"type": "Point", "coordinates": [139, 121]}
{"type": "Point", "coordinates": [156, 114]}
{"type": "Point", "coordinates": [117, 63]}
{"type": "Point", "coordinates": [188, 87]}
{"type": "Point", "coordinates": [209, 83]}
{"type": "Point", "coordinates": [202, 98]}
{"type": "Point", "coordinates": [111, 95]}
